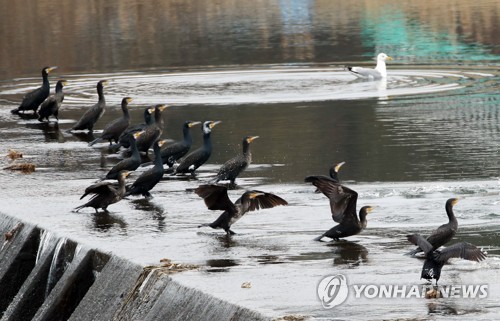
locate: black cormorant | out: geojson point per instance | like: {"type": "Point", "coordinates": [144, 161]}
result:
{"type": "Point", "coordinates": [131, 163]}
{"type": "Point", "coordinates": [435, 259]}
{"type": "Point", "coordinates": [105, 193]}
{"type": "Point", "coordinates": [115, 128]}
{"type": "Point", "coordinates": [233, 167]}
{"type": "Point", "coordinates": [198, 157]}
{"type": "Point", "coordinates": [124, 139]}
{"type": "Point", "coordinates": [174, 151]}
{"type": "Point", "coordinates": [334, 173]}
{"type": "Point", "coordinates": [51, 105]}
{"type": "Point", "coordinates": [216, 198]}
{"type": "Point", "coordinates": [445, 232]}
{"type": "Point", "coordinates": [151, 177]}
{"type": "Point", "coordinates": [343, 207]}
{"type": "Point", "coordinates": [34, 98]}
{"type": "Point", "coordinates": [152, 131]}
{"type": "Point", "coordinates": [92, 115]}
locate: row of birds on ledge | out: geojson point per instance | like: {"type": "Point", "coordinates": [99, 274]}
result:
{"type": "Point", "coordinates": [139, 138]}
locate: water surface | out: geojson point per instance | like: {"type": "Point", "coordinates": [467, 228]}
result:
{"type": "Point", "coordinates": [428, 133]}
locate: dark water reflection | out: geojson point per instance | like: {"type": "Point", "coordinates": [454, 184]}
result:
{"type": "Point", "coordinates": [136, 35]}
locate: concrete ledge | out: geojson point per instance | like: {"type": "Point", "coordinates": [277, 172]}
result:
{"type": "Point", "coordinates": [94, 285]}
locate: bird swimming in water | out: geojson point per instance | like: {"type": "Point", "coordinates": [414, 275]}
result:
{"type": "Point", "coordinates": [129, 164]}
{"type": "Point", "coordinates": [445, 232]}
{"type": "Point", "coordinates": [236, 165]}
{"type": "Point", "coordinates": [151, 131]}
{"type": "Point", "coordinates": [174, 151]}
{"type": "Point", "coordinates": [343, 207]}
{"type": "Point", "coordinates": [435, 259]}
{"type": "Point", "coordinates": [216, 198]}
{"type": "Point", "coordinates": [115, 128]}
{"type": "Point", "coordinates": [105, 193]}
{"type": "Point", "coordinates": [198, 157]}
{"type": "Point", "coordinates": [379, 72]}
{"type": "Point", "coordinates": [34, 98]}
{"type": "Point", "coordinates": [92, 115]}
{"type": "Point", "coordinates": [144, 183]}
{"type": "Point", "coordinates": [51, 105]}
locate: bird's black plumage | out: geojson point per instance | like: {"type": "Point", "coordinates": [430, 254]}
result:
{"type": "Point", "coordinates": [216, 198]}
{"type": "Point", "coordinates": [198, 157]}
{"type": "Point", "coordinates": [51, 105]}
{"type": "Point", "coordinates": [92, 115]}
{"type": "Point", "coordinates": [233, 167]}
{"type": "Point", "coordinates": [177, 150]}
{"type": "Point", "coordinates": [116, 127]}
{"type": "Point", "coordinates": [151, 177]}
{"type": "Point", "coordinates": [445, 232]}
{"type": "Point", "coordinates": [334, 173]}
{"type": "Point", "coordinates": [435, 259]}
{"type": "Point", "coordinates": [129, 164]}
{"type": "Point", "coordinates": [34, 98]}
{"type": "Point", "coordinates": [105, 193]}
{"type": "Point", "coordinates": [124, 139]}
{"type": "Point", "coordinates": [153, 131]}
{"type": "Point", "coordinates": [343, 208]}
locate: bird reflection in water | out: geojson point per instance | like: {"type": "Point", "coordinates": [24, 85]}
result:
{"type": "Point", "coordinates": [50, 130]}
{"type": "Point", "coordinates": [84, 136]}
{"type": "Point", "coordinates": [157, 212]}
{"type": "Point", "coordinates": [347, 252]}
{"type": "Point", "coordinates": [105, 221]}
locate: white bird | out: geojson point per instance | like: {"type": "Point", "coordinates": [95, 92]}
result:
{"type": "Point", "coordinates": [379, 72]}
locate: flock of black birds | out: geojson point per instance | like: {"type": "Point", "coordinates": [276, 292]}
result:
{"type": "Point", "coordinates": [140, 138]}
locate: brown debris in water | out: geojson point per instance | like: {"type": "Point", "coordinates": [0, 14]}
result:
{"type": "Point", "coordinates": [14, 154]}
{"type": "Point", "coordinates": [10, 234]}
{"type": "Point", "coordinates": [25, 168]}
{"type": "Point", "coordinates": [292, 317]}
{"type": "Point", "coordinates": [433, 294]}
{"type": "Point", "coordinates": [169, 267]}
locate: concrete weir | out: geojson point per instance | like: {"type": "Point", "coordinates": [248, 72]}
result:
{"type": "Point", "coordinates": [45, 277]}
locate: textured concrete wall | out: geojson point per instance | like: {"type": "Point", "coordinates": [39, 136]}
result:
{"type": "Point", "coordinates": [86, 284]}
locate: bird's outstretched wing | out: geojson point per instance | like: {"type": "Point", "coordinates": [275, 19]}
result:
{"type": "Point", "coordinates": [342, 199]}
{"type": "Point", "coordinates": [461, 250]}
{"type": "Point", "coordinates": [421, 242]}
{"type": "Point", "coordinates": [215, 197]}
{"type": "Point", "coordinates": [260, 200]}
{"type": "Point", "coordinates": [98, 188]}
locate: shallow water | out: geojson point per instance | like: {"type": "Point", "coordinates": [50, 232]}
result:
{"type": "Point", "coordinates": [430, 132]}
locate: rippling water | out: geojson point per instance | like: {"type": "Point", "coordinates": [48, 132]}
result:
{"type": "Point", "coordinates": [428, 133]}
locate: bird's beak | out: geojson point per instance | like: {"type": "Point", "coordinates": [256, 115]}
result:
{"type": "Point", "coordinates": [455, 201]}
{"type": "Point", "coordinates": [194, 123]}
{"type": "Point", "coordinates": [161, 142]}
{"type": "Point", "coordinates": [369, 209]}
{"type": "Point", "coordinates": [64, 83]}
{"type": "Point", "coordinates": [338, 166]}
{"type": "Point", "coordinates": [151, 110]}
{"type": "Point", "coordinates": [255, 194]}
{"type": "Point", "coordinates": [51, 68]}
{"type": "Point", "coordinates": [138, 134]}
{"type": "Point", "coordinates": [162, 107]}
{"type": "Point", "coordinates": [126, 174]}
{"type": "Point", "coordinates": [105, 83]}
{"type": "Point", "coordinates": [129, 100]}
{"type": "Point", "coordinates": [252, 138]}
{"type": "Point", "coordinates": [214, 123]}
{"type": "Point", "coordinates": [389, 58]}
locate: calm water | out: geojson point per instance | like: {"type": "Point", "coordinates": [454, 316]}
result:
{"type": "Point", "coordinates": [276, 70]}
